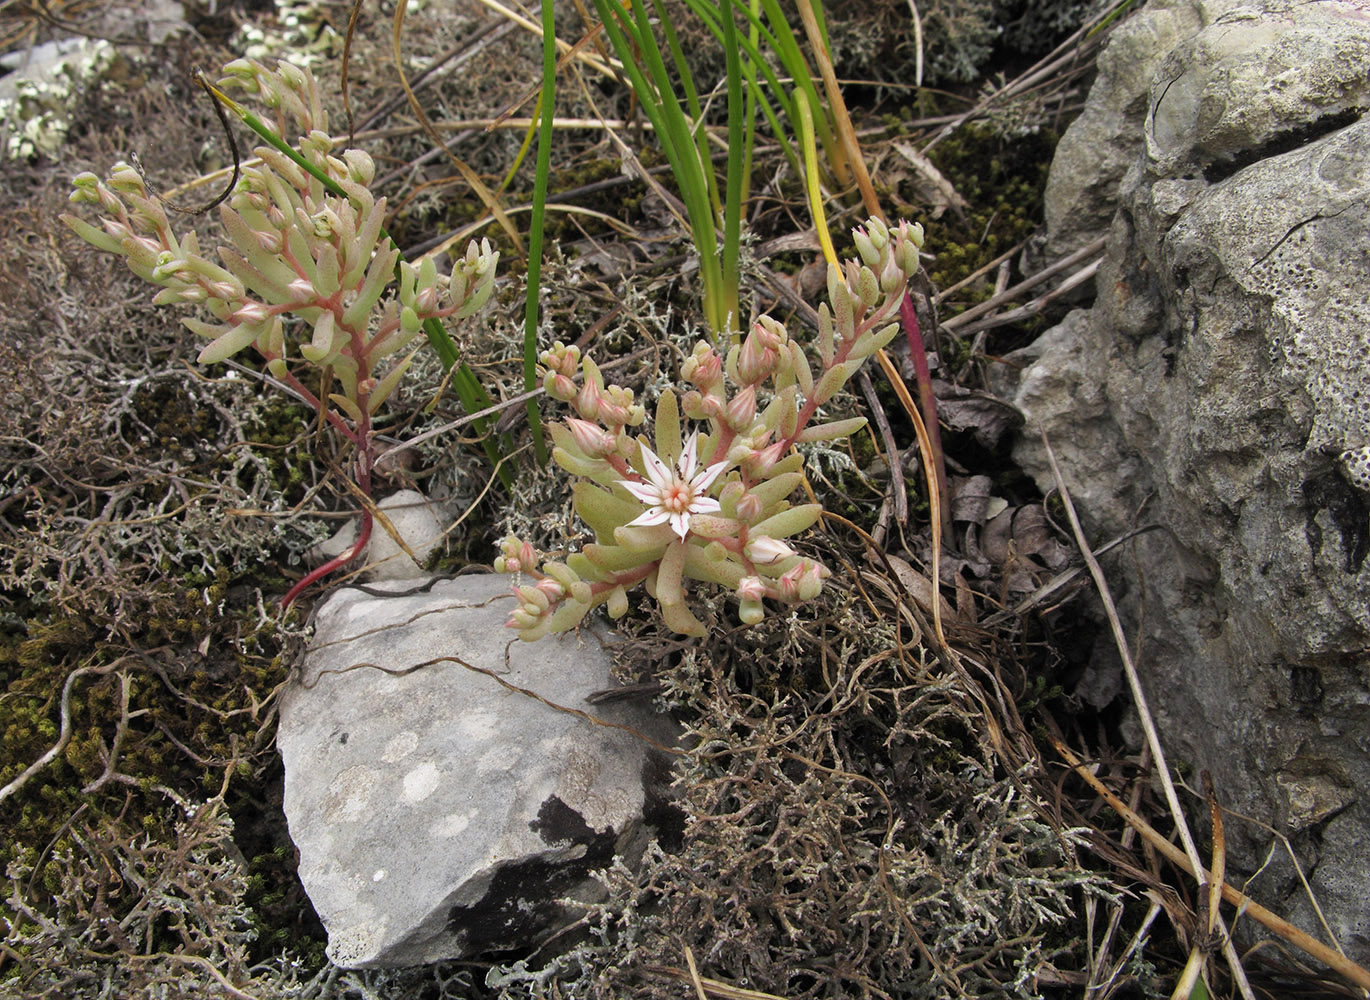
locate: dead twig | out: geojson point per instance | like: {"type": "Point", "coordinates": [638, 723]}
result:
{"type": "Point", "coordinates": [1017, 291]}
{"type": "Point", "coordinates": [121, 729]}
{"type": "Point", "coordinates": [1032, 308]}
{"type": "Point", "coordinates": [64, 730]}
{"type": "Point", "coordinates": [1153, 740]}
{"type": "Point", "coordinates": [1298, 938]}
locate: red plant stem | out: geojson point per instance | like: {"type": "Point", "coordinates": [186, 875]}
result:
{"type": "Point", "coordinates": [927, 402]}
{"type": "Point", "coordinates": [336, 563]}
{"type": "Point", "coordinates": [361, 437]}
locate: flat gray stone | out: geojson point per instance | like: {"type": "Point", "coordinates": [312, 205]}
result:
{"type": "Point", "coordinates": [437, 813]}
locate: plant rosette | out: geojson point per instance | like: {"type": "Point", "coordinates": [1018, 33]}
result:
{"type": "Point", "coordinates": [710, 507]}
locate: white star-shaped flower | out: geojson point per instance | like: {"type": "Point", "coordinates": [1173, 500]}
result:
{"type": "Point", "coordinates": [672, 495]}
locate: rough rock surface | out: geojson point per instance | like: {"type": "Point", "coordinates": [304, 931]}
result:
{"type": "Point", "coordinates": [437, 812]}
{"type": "Point", "coordinates": [1221, 371]}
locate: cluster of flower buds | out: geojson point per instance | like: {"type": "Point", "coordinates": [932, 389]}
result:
{"type": "Point", "coordinates": [297, 249]}
{"type": "Point", "coordinates": [711, 506]}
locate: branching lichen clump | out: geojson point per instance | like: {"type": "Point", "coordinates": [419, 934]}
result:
{"type": "Point", "coordinates": [712, 506]}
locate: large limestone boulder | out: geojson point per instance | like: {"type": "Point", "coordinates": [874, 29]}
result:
{"type": "Point", "coordinates": [439, 812]}
{"type": "Point", "coordinates": [1219, 386]}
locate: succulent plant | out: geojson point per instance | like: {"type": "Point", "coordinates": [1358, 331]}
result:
{"type": "Point", "coordinates": [310, 279]}
{"type": "Point", "coordinates": [711, 506]}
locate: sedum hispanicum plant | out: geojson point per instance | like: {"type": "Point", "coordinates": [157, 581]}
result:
{"type": "Point", "coordinates": [310, 280]}
{"type": "Point", "coordinates": [711, 506]}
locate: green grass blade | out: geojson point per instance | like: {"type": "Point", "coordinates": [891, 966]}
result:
{"type": "Point", "coordinates": [692, 102]}
{"type": "Point", "coordinates": [792, 57]}
{"type": "Point", "coordinates": [758, 34]}
{"type": "Point", "coordinates": [741, 128]}
{"type": "Point", "coordinates": [546, 103]}
{"type": "Point", "coordinates": [675, 133]}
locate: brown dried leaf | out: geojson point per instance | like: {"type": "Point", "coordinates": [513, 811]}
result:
{"type": "Point", "coordinates": [970, 498]}
{"type": "Point", "coordinates": [919, 587]}
{"type": "Point", "coordinates": [987, 417]}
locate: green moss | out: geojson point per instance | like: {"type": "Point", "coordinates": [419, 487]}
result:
{"type": "Point", "coordinates": [179, 700]}
{"type": "Point", "coordinates": [1004, 181]}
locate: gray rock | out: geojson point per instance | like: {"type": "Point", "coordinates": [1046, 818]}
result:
{"type": "Point", "coordinates": [1220, 372]}
{"type": "Point", "coordinates": [415, 518]}
{"type": "Point", "coordinates": [1101, 144]}
{"type": "Point", "coordinates": [437, 812]}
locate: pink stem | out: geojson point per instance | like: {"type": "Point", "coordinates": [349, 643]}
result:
{"type": "Point", "coordinates": [927, 402]}
{"type": "Point", "coordinates": [337, 562]}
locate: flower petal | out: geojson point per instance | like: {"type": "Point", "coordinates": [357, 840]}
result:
{"type": "Point", "coordinates": [704, 505]}
{"type": "Point", "coordinates": [645, 492]}
{"type": "Point", "coordinates": [654, 516]}
{"type": "Point", "coordinates": [657, 471]}
{"type": "Point", "coordinates": [705, 478]}
{"type": "Point", "coordinates": [689, 457]}
{"type": "Point", "coordinates": [680, 524]}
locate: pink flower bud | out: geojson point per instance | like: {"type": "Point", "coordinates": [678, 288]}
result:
{"type": "Point", "coordinates": [750, 509]}
{"type": "Point", "coordinates": [756, 360]}
{"type": "Point", "coordinates": [592, 439]}
{"type": "Point", "coordinates": [559, 386]}
{"type": "Point", "coordinates": [559, 358]}
{"type": "Point", "coordinates": [426, 301]}
{"type": "Point", "coordinates": [760, 463]}
{"type": "Point", "coordinates": [588, 401]}
{"type": "Point", "coordinates": [752, 588]}
{"type": "Point", "coordinates": [515, 556]}
{"type": "Point", "coordinates": [741, 410]}
{"type": "Point", "coordinates": [892, 276]}
{"type": "Point", "coordinates": [250, 312]}
{"type": "Point", "coordinates": [911, 232]}
{"type": "Point", "coordinates": [765, 550]}
{"type": "Point", "coordinates": [704, 368]}
{"type": "Point", "coordinates": [613, 415]}
{"type": "Point", "coordinates": [553, 590]}
{"type": "Point", "coordinates": [122, 232]}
